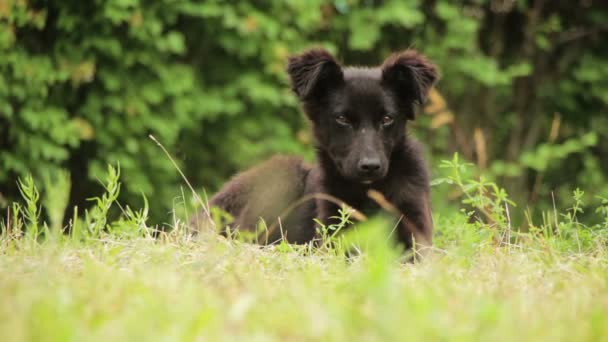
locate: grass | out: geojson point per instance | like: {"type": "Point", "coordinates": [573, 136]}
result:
{"type": "Point", "coordinates": [112, 280]}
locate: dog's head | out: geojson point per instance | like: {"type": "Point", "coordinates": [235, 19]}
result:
{"type": "Point", "coordinates": [359, 113]}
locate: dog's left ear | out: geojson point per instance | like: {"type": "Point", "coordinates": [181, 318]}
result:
{"type": "Point", "coordinates": [410, 75]}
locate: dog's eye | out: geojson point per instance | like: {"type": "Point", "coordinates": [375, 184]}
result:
{"type": "Point", "coordinates": [387, 120]}
{"type": "Point", "coordinates": [342, 120]}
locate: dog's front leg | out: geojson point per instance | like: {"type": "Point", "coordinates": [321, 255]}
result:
{"type": "Point", "coordinates": [416, 226]}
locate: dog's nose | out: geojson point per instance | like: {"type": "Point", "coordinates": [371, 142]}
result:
{"type": "Point", "coordinates": [369, 164]}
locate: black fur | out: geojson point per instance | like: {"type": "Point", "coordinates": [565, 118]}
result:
{"type": "Point", "coordinates": [359, 118]}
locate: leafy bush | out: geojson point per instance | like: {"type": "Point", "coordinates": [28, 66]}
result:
{"type": "Point", "coordinates": [83, 84]}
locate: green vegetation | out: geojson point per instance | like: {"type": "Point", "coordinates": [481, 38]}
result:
{"type": "Point", "coordinates": [113, 279]}
{"type": "Point", "coordinates": [521, 210]}
{"type": "Point", "coordinates": [523, 94]}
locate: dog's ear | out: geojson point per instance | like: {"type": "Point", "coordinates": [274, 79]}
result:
{"type": "Point", "coordinates": [410, 75]}
{"type": "Point", "coordinates": [313, 72]}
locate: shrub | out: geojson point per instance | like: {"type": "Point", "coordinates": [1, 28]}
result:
{"type": "Point", "coordinates": [83, 84]}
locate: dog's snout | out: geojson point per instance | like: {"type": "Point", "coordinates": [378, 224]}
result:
{"type": "Point", "coordinates": [369, 164]}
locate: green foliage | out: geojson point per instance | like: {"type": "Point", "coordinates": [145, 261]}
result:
{"type": "Point", "coordinates": [486, 197]}
{"type": "Point", "coordinates": [328, 233]}
{"type": "Point", "coordinates": [133, 223]}
{"type": "Point", "coordinates": [564, 232]}
{"type": "Point", "coordinates": [83, 85]}
{"type": "Point", "coordinates": [56, 186]}
{"type": "Point", "coordinates": [603, 211]}
{"type": "Point", "coordinates": [31, 210]}
{"type": "Point", "coordinates": [96, 218]}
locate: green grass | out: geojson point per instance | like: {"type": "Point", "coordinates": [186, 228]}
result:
{"type": "Point", "coordinates": [210, 288]}
{"type": "Point", "coordinates": [113, 281]}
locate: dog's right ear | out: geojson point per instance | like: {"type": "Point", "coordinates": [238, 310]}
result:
{"type": "Point", "coordinates": [313, 72]}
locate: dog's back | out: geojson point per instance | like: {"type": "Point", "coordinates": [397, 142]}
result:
{"type": "Point", "coordinates": [270, 199]}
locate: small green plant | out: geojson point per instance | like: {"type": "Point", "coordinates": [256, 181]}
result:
{"type": "Point", "coordinates": [602, 209]}
{"type": "Point", "coordinates": [329, 232]}
{"type": "Point", "coordinates": [56, 187]}
{"type": "Point", "coordinates": [132, 223]}
{"type": "Point", "coordinates": [577, 207]}
{"type": "Point", "coordinates": [14, 224]}
{"type": "Point", "coordinates": [96, 217]}
{"type": "Point", "coordinates": [572, 234]}
{"type": "Point", "coordinates": [487, 198]}
{"type": "Point", "coordinates": [31, 210]}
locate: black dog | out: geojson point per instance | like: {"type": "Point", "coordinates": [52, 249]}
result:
{"type": "Point", "coordinates": [358, 118]}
